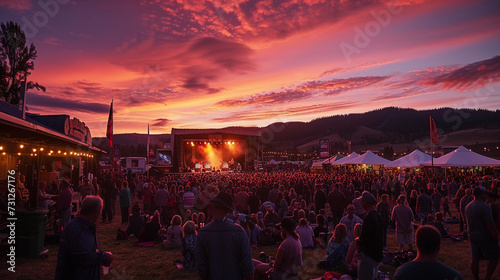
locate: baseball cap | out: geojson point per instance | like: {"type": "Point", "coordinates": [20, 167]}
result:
{"type": "Point", "coordinates": [223, 200]}
{"type": "Point", "coordinates": [288, 224]}
{"type": "Point", "coordinates": [368, 198]}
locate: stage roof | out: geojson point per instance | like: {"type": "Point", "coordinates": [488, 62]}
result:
{"type": "Point", "coordinates": [246, 131]}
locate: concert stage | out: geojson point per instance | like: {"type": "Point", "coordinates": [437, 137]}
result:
{"type": "Point", "coordinates": [220, 150]}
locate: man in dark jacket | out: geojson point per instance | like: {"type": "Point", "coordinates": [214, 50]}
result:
{"type": "Point", "coordinates": [79, 256]}
{"type": "Point", "coordinates": [370, 241]}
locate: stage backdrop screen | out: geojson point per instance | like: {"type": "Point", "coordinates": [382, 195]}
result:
{"type": "Point", "coordinates": [164, 157]}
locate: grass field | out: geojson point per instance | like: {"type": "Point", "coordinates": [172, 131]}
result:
{"type": "Point", "coordinates": [132, 262]}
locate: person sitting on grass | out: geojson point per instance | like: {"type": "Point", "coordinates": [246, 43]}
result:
{"type": "Point", "coordinates": [337, 248]}
{"type": "Point", "coordinates": [150, 231]}
{"type": "Point", "coordinates": [288, 258]}
{"type": "Point", "coordinates": [136, 222]}
{"type": "Point", "coordinates": [425, 265]}
{"type": "Point", "coordinates": [351, 259]}
{"type": "Point", "coordinates": [305, 233]}
{"type": "Point", "coordinates": [174, 234]}
{"type": "Point", "coordinates": [189, 245]}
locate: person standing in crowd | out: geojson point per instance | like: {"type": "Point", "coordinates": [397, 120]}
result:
{"type": "Point", "coordinates": [466, 199]}
{"type": "Point", "coordinates": [43, 198]}
{"type": "Point", "coordinates": [107, 193]}
{"type": "Point", "coordinates": [96, 186]}
{"type": "Point", "coordinates": [79, 256]}
{"type": "Point", "coordinates": [338, 203]}
{"type": "Point", "coordinates": [288, 261]}
{"type": "Point", "coordinates": [349, 221]}
{"type": "Point", "coordinates": [403, 216]}
{"type": "Point", "coordinates": [371, 239]}
{"type": "Point", "coordinates": [188, 198]}
{"type": "Point", "coordinates": [161, 203]}
{"type": "Point", "coordinates": [424, 204]}
{"type": "Point", "coordinates": [223, 249]}
{"type": "Point", "coordinates": [436, 199]}
{"type": "Point", "coordinates": [319, 198]}
{"type": "Point", "coordinates": [482, 232]}
{"type": "Point", "coordinates": [425, 265]}
{"type": "Point", "coordinates": [356, 202]}
{"type": "Point", "coordinates": [385, 213]}
{"type": "Point", "coordinates": [86, 189]}
{"type": "Point", "coordinates": [63, 205]}
{"type": "Point", "coordinates": [125, 201]}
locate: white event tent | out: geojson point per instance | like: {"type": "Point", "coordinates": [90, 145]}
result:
{"type": "Point", "coordinates": [462, 157]}
{"type": "Point", "coordinates": [368, 158]}
{"type": "Point", "coordinates": [319, 164]}
{"type": "Point", "coordinates": [411, 160]}
{"type": "Point", "coordinates": [345, 159]}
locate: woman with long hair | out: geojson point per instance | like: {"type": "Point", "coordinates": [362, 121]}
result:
{"type": "Point", "coordinates": [337, 247]}
{"type": "Point", "coordinates": [288, 258]}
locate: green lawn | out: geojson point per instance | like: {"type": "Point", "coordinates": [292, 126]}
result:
{"type": "Point", "coordinates": [132, 262]}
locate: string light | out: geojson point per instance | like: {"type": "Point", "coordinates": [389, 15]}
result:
{"type": "Point", "coordinates": [34, 150]}
{"type": "Point", "coordinates": [18, 154]}
{"type": "Point", "coordinates": [59, 151]}
{"type": "Point", "coordinates": [3, 153]}
{"type": "Point", "coordinates": [41, 149]}
{"type": "Point", "coordinates": [1, 148]}
{"type": "Point", "coordinates": [21, 146]}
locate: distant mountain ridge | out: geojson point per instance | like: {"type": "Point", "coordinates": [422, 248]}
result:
{"type": "Point", "coordinates": [388, 126]}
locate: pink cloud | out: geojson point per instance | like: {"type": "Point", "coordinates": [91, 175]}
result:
{"type": "Point", "coordinates": [288, 112]}
{"type": "Point", "coordinates": [16, 4]}
{"type": "Point", "coordinates": [471, 76]}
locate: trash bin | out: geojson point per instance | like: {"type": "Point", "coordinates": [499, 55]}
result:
{"type": "Point", "coordinates": [30, 232]}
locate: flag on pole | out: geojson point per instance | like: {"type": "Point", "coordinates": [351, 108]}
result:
{"type": "Point", "coordinates": [109, 130]}
{"type": "Point", "coordinates": [434, 132]}
{"type": "Point", "coordinates": [147, 148]}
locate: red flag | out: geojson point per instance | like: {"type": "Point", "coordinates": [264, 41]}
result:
{"type": "Point", "coordinates": [434, 132]}
{"type": "Point", "coordinates": [109, 130]}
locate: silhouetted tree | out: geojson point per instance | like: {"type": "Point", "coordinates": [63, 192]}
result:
{"type": "Point", "coordinates": [16, 61]}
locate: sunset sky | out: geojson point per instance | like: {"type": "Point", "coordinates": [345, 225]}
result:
{"type": "Point", "coordinates": [218, 63]}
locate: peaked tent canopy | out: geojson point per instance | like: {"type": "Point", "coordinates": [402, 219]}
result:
{"type": "Point", "coordinates": [319, 163]}
{"type": "Point", "coordinates": [413, 159]}
{"type": "Point", "coordinates": [368, 158]}
{"type": "Point", "coordinates": [462, 157]}
{"type": "Point", "coordinates": [345, 159]}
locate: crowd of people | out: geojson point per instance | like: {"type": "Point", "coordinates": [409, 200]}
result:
{"type": "Point", "coordinates": [348, 215]}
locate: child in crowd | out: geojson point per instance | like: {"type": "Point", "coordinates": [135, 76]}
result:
{"type": "Point", "coordinates": [174, 234]}
{"type": "Point", "coordinates": [189, 245]}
